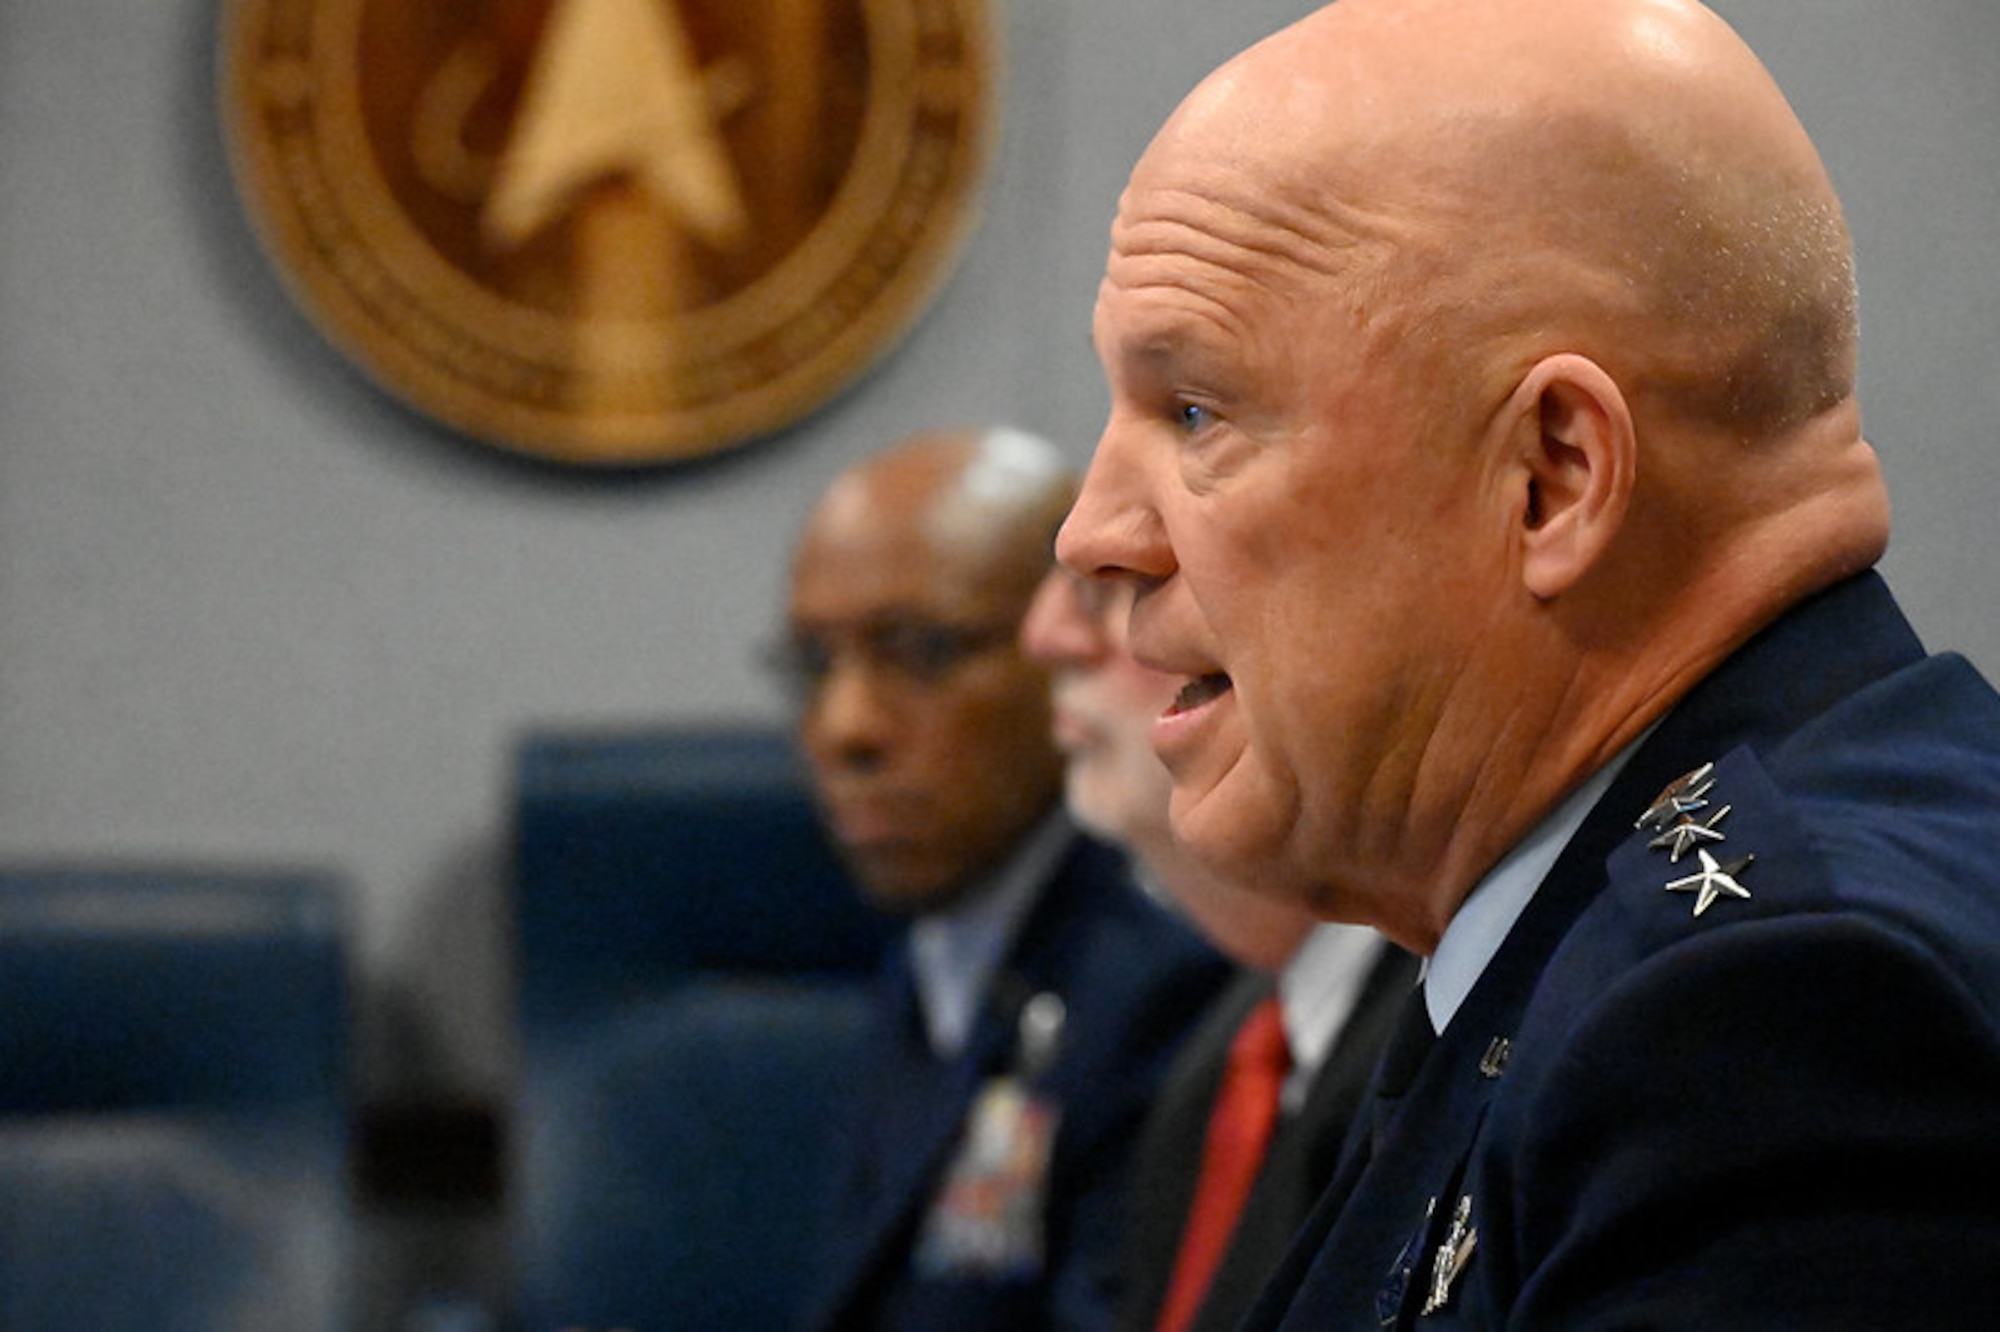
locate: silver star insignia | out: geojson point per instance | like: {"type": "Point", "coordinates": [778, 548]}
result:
{"type": "Point", "coordinates": [1684, 836]}
{"type": "Point", "coordinates": [1682, 796]}
{"type": "Point", "coordinates": [1715, 880]}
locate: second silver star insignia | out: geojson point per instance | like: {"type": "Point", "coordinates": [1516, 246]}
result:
{"type": "Point", "coordinates": [1715, 879]}
{"type": "Point", "coordinates": [1453, 1254]}
{"type": "Point", "coordinates": [1684, 836]}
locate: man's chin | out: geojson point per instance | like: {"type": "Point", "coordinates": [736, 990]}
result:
{"type": "Point", "coordinates": [1093, 801]}
{"type": "Point", "coordinates": [895, 889]}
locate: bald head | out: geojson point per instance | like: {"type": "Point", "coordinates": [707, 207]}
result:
{"type": "Point", "coordinates": [1617, 176]}
{"type": "Point", "coordinates": [926, 727]}
{"type": "Point", "coordinates": [1469, 187]}
{"type": "Point", "coordinates": [990, 498]}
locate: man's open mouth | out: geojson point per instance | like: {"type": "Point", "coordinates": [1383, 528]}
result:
{"type": "Point", "coordinates": [1200, 690]}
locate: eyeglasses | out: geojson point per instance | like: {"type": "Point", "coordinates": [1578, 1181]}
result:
{"type": "Point", "coordinates": [905, 649]}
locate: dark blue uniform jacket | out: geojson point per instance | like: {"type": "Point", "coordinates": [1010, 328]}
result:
{"type": "Point", "coordinates": [1756, 1086]}
{"type": "Point", "coordinates": [1132, 982]}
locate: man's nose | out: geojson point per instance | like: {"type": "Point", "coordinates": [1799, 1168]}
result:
{"type": "Point", "coordinates": [1061, 626]}
{"type": "Point", "coordinates": [851, 718]}
{"type": "Point", "coordinates": [1114, 530]}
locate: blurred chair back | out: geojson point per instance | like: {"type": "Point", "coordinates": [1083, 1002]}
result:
{"type": "Point", "coordinates": [694, 967]}
{"type": "Point", "coordinates": [646, 857]}
{"type": "Point", "coordinates": [173, 1100]}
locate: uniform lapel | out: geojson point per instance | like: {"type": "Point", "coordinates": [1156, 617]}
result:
{"type": "Point", "coordinates": [910, 1120]}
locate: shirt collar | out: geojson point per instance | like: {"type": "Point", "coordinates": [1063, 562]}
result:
{"type": "Point", "coordinates": [1497, 901]}
{"type": "Point", "coordinates": [1317, 990]}
{"type": "Point", "coordinates": [955, 954]}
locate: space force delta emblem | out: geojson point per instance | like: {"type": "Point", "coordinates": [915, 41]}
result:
{"type": "Point", "coordinates": [610, 232]}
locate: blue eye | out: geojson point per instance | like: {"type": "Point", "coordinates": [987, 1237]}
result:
{"type": "Point", "coordinates": [1193, 417]}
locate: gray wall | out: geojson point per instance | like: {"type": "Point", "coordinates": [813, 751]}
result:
{"type": "Point", "coordinates": [251, 608]}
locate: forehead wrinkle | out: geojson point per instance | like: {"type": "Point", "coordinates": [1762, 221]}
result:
{"type": "Point", "coordinates": [1263, 241]}
{"type": "Point", "coordinates": [1292, 244]}
{"type": "Point", "coordinates": [1161, 337]}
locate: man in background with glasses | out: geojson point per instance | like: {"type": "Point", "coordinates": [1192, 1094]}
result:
{"type": "Point", "coordinates": [1027, 1018]}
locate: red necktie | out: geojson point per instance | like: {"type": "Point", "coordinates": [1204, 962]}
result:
{"type": "Point", "coordinates": [1239, 1129]}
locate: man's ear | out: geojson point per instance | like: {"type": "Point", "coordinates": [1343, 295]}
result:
{"type": "Point", "coordinates": [1579, 459]}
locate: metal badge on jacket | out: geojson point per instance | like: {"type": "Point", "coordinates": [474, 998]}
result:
{"type": "Point", "coordinates": [987, 1222]}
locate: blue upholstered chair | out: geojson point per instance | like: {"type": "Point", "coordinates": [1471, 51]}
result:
{"type": "Point", "coordinates": [173, 1100]}
{"type": "Point", "coordinates": [674, 1164]}
{"type": "Point", "coordinates": [693, 972]}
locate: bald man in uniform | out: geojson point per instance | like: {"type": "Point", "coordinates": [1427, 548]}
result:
{"type": "Point", "coordinates": [1484, 457]}
{"type": "Point", "coordinates": [1038, 997]}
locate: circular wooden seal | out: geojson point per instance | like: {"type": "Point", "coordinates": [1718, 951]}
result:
{"type": "Point", "coordinates": [610, 232]}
